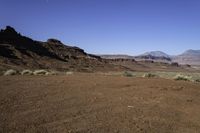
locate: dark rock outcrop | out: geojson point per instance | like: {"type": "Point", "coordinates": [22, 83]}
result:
{"type": "Point", "coordinates": [23, 52]}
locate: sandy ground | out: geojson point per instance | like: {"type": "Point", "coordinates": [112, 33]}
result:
{"type": "Point", "coordinates": [91, 103]}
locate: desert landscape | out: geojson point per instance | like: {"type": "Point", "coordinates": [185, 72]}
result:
{"type": "Point", "coordinates": [99, 66]}
{"type": "Point", "coordinates": [122, 95]}
{"type": "Point", "coordinates": [97, 102]}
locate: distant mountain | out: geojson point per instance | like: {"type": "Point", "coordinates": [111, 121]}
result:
{"type": "Point", "coordinates": [157, 56]}
{"type": "Point", "coordinates": [191, 57]}
{"type": "Point", "coordinates": [22, 52]}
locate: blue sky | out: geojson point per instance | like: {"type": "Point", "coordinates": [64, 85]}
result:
{"type": "Point", "coordinates": [108, 26]}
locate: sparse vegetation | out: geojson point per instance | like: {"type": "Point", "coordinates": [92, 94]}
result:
{"type": "Point", "coordinates": [26, 72]}
{"type": "Point", "coordinates": [175, 64]}
{"type": "Point", "coordinates": [182, 77]}
{"type": "Point", "coordinates": [52, 73]}
{"type": "Point", "coordinates": [149, 75]}
{"type": "Point", "coordinates": [69, 73]}
{"type": "Point", "coordinates": [41, 72]}
{"type": "Point", "coordinates": [10, 72]}
{"type": "Point", "coordinates": [128, 74]}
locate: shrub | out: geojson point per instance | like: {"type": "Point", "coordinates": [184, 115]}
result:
{"type": "Point", "coordinates": [26, 72]}
{"type": "Point", "coordinates": [128, 74]}
{"type": "Point", "coordinates": [69, 73]}
{"type": "Point", "coordinates": [40, 72]}
{"type": "Point", "coordinates": [182, 77]}
{"type": "Point", "coordinates": [197, 80]}
{"type": "Point", "coordinates": [52, 73]}
{"type": "Point", "coordinates": [149, 75]}
{"type": "Point", "coordinates": [10, 72]}
{"type": "Point", "coordinates": [175, 64]}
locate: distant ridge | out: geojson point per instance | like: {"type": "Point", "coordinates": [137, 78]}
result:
{"type": "Point", "coordinates": [191, 57]}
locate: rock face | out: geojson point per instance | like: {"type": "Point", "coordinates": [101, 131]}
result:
{"type": "Point", "coordinates": [22, 52]}
{"type": "Point", "coordinates": [191, 57]}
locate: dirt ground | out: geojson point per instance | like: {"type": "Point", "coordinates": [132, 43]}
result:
{"type": "Point", "coordinates": [93, 103]}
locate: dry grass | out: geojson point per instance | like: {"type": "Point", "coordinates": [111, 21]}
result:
{"type": "Point", "coordinates": [26, 72]}
{"type": "Point", "coordinates": [128, 74]}
{"type": "Point", "coordinates": [40, 72]}
{"type": "Point", "coordinates": [10, 72]}
{"type": "Point", "coordinates": [149, 75]}
{"type": "Point", "coordinates": [69, 73]}
{"type": "Point", "coordinates": [183, 77]}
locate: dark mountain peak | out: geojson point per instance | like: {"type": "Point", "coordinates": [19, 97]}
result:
{"type": "Point", "coordinates": [54, 41]}
{"type": "Point", "coordinates": [9, 30]}
{"type": "Point", "coordinates": [22, 51]}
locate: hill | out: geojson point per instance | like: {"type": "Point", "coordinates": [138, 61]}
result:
{"type": "Point", "coordinates": [191, 57]}
{"type": "Point", "coordinates": [19, 52]}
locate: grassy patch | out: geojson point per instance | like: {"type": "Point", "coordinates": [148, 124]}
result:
{"type": "Point", "coordinates": [182, 77]}
{"type": "Point", "coordinates": [69, 73]}
{"type": "Point", "coordinates": [10, 72]}
{"type": "Point", "coordinates": [26, 72]}
{"type": "Point", "coordinates": [40, 72]}
{"type": "Point", "coordinates": [149, 75]}
{"type": "Point", "coordinates": [128, 74]}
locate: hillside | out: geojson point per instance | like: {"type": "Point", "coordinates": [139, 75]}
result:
{"type": "Point", "coordinates": [19, 52]}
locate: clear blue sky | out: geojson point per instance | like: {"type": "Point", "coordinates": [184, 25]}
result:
{"type": "Point", "coordinates": [108, 26]}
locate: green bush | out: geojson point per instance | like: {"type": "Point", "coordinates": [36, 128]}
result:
{"type": "Point", "coordinates": [182, 77]}
{"type": "Point", "coordinates": [26, 72]}
{"type": "Point", "coordinates": [197, 80]}
{"type": "Point", "coordinates": [149, 75]}
{"type": "Point", "coordinates": [10, 72]}
{"type": "Point", "coordinates": [128, 74]}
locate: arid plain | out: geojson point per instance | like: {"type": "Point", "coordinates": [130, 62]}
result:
{"type": "Point", "coordinates": [98, 102]}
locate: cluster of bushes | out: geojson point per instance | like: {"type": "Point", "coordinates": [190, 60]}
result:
{"type": "Point", "coordinates": [128, 74]}
{"type": "Point", "coordinates": [183, 77]}
{"type": "Point", "coordinates": [29, 72]}
{"type": "Point", "coordinates": [197, 80]}
{"type": "Point", "coordinates": [149, 75]}
{"type": "Point", "coordinates": [10, 72]}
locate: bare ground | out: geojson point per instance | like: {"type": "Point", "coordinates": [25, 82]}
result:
{"type": "Point", "coordinates": [84, 103]}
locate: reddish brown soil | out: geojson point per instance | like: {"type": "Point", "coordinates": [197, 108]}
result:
{"type": "Point", "coordinates": [83, 103]}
